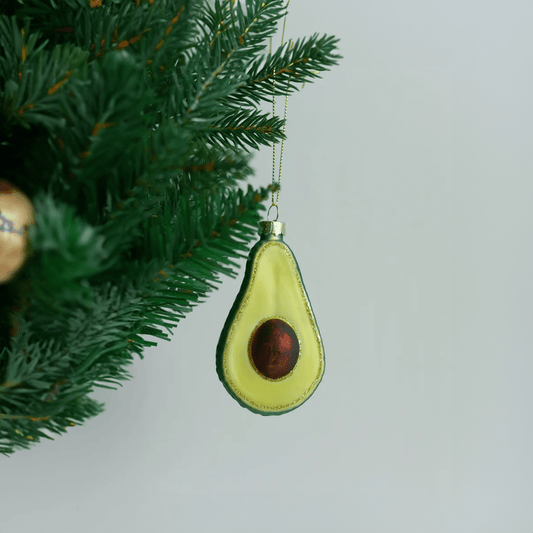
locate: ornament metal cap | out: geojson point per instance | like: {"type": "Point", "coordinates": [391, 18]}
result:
{"type": "Point", "coordinates": [271, 227]}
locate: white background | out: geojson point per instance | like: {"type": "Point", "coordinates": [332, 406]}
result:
{"type": "Point", "coordinates": [407, 197]}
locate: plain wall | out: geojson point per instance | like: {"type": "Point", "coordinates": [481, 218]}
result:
{"type": "Point", "coordinates": [407, 192]}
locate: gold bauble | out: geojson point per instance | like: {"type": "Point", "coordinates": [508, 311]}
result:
{"type": "Point", "coordinates": [16, 215]}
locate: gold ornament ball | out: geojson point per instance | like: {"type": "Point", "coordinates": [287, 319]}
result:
{"type": "Point", "coordinates": [16, 215]}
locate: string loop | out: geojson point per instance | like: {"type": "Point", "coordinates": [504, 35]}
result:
{"type": "Point", "coordinates": [277, 212]}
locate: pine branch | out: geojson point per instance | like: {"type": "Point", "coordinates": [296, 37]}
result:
{"type": "Point", "coordinates": [128, 124]}
{"type": "Point", "coordinates": [230, 27]}
{"type": "Point", "coordinates": [46, 382]}
{"type": "Point", "coordinates": [217, 66]}
{"type": "Point", "coordinates": [32, 79]}
{"type": "Point", "coordinates": [207, 171]}
{"type": "Point", "coordinates": [66, 251]}
{"type": "Point", "coordinates": [119, 94]}
{"type": "Point", "coordinates": [243, 129]}
{"type": "Point", "coordinates": [291, 65]}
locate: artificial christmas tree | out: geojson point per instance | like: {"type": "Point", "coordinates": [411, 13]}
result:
{"type": "Point", "coordinates": [128, 126]}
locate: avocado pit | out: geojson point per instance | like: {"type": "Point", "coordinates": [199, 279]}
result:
{"type": "Point", "coordinates": [275, 348]}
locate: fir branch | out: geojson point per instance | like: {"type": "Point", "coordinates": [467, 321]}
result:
{"type": "Point", "coordinates": [188, 222]}
{"type": "Point", "coordinates": [31, 82]}
{"type": "Point", "coordinates": [135, 138]}
{"type": "Point", "coordinates": [211, 171]}
{"type": "Point", "coordinates": [244, 129]}
{"type": "Point", "coordinates": [63, 258]}
{"type": "Point", "coordinates": [118, 97]}
{"type": "Point", "coordinates": [98, 29]}
{"type": "Point", "coordinates": [291, 65]}
{"type": "Point", "coordinates": [231, 27]}
{"type": "Point", "coordinates": [217, 67]}
{"type": "Point", "coordinates": [46, 383]}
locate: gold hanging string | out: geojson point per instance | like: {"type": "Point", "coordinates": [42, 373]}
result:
{"type": "Point", "coordinates": [275, 203]}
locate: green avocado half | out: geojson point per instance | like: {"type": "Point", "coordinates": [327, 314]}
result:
{"type": "Point", "coordinates": [270, 355]}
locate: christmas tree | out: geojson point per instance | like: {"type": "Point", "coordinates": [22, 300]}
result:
{"type": "Point", "coordinates": [126, 127]}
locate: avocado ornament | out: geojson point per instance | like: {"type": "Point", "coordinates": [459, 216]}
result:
{"type": "Point", "coordinates": [270, 355]}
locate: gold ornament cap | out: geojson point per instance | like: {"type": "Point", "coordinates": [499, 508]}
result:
{"type": "Point", "coordinates": [271, 227]}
